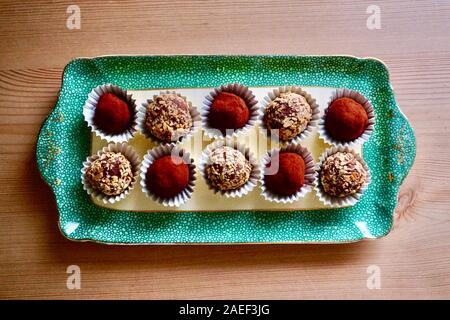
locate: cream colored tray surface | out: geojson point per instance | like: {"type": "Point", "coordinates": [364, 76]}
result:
{"type": "Point", "coordinates": [204, 199]}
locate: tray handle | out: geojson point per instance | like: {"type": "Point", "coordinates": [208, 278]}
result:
{"type": "Point", "coordinates": [404, 145]}
{"type": "Point", "coordinates": [47, 148]}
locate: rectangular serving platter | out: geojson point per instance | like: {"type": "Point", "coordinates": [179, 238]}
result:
{"type": "Point", "coordinates": [65, 141]}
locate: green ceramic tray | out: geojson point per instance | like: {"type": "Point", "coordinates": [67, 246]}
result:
{"type": "Point", "coordinates": [64, 143]}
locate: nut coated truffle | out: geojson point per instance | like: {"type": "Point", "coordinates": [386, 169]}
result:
{"type": "Point", "coordinates": [112, 114]}
{"type": "Point", "coordinates": [227, 169]}
{"type": "Point", "coordinates": [110, 174]}
{"type": "Point", "coordinates": [168, 117]}
{"type": "Point", "coordinates": [167, 176]}
{"type": "Point", "coordinates": [228, 111]}
{"type": "Point", "coordinates": [346, 119]}
{"type": "Point", "coordinates": [290, 176]}
{"type": "Point", "coordinates": [290, 113]}
{"type": "Point", "coordinates": [342, 174]}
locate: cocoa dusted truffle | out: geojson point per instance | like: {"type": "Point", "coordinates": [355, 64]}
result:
{"type": "Point", "coordinates": [168, 117]}
{"type": "Point", "coordinates": [227, 168]}
{"type": "Point", "coordinates": [346, 119]}
{"type": "Point", "coordinates": [290, 176]}
{"type": "Point", "coordinates": [342, 174]}
{"type": "Point", "coordinates": [290, 113]}
{"type": "Point", "coordinates": [112, 114]}
{"type": "Point", "coordinates": [110, 174]}
{"type": "Point", "coordinates": [228, 111]}
{"type": "Point", "coordinates": [167, 176]}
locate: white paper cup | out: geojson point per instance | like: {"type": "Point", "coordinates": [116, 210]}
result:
{"type": "Point", "coordinates": [347, 201]}
{"type": "Point", "coordinates": [311, 101]}
{"type": "Point", "coordinates": [91, 104]}
{"type": "Point", "coordinates": [142, 114]}
{"type": "Point", "coordinates": [239, 90]}
{"type": "Point", "coordinates": [310, 174]}
{"type": "Point", "coordinates": [161, 151]}
{"type": "Point", "coordinates": [129, 153]}
{"type": "Point", "coordinates": [254, 174]}
{"type": "Point", "coordinates": [358, 97]}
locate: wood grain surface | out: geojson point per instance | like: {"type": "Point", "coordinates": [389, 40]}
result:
{"type": "Point", "coordinates": [35, 45]}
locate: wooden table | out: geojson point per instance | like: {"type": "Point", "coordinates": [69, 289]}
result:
{"type": "Point", "coordinates": [414, 41]}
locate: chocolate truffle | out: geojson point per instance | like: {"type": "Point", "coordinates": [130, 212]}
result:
{"type": "Point", "coordinates": [112, 114]}
{"type": "Point", "coordinates": [228, 111]}
{"type": "Point", "coordinates": [290, 176]}
{"type": "Point", "coordinates": [227, 168]}
{"type": "Point", "coordinates": [167, 177]}
{"type": "Point", "coordinates": [290, 113]}
{"type": "Point", "coordinates": [342, 174]}
{"type": "Point", "coordinates": [110, 174]}
{"type": "Point", "coordinates": [168, 117]}
{"type": "Point", "coordinates": [346, 119]}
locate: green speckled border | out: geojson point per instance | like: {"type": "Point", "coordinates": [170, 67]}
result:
{"type": "Point", "coordinates": [64, 143]}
